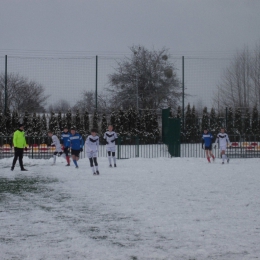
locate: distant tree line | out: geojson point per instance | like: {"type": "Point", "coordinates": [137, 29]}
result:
{"type": "Point", "coordinates": [127, 123]}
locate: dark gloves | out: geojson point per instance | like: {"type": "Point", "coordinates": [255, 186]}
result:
{"type": "Point", "coordinates": [81, 149]}
{"type": "Point", "coordinates": [25, 149]}
{"type": "Point", "coordinates": [53, 145]}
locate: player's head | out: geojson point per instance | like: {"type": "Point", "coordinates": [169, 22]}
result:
{"type": "Point", "coordinates": [21, 126]}
{"type": "Point", "coordinates": [205, 131]}
{"type": "Point", "coordinates": [50, 133]}
{"type": "Point", "coordinates": [93, 131]}
{"type": "Point", "coordinates": [73, 130]}
{"type": "Point", "coordinates": [222, 130]}
{"type": "Point", "coordinates": [110, 128]}
{"type": "Point", "coordinates": [65, 129]}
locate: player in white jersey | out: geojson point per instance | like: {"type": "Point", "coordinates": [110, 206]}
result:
{"type": "Point", "coordinates": [92, 144]}
{"type": "Point", "coordinates": [223, 140]}
{"type": "Point", "coordinates": [110, 136]}
{"type": "Point", "coordinates": [56, 143]}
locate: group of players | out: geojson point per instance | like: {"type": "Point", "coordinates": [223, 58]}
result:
{"type": "Point", "coordinates": [222, 139]}
{"type": "Point", "coordinates": [73, 141]}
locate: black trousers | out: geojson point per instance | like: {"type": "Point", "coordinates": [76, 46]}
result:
{"type": "Point", "coordinates": [18, 153]}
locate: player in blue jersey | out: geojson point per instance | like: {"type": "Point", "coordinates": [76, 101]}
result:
{"type": "Point", "coordinates": [207, 140]}
{"type": "Point", "coordinates": [64, 141]}
{"type": "Point", "coordinates": [76, 143]}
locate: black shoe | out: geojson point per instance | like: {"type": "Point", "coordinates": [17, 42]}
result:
{"type": "Point", "coordinates": [114, 165]}
{"type": "Point", "coordinates": [68, 165]}
{"type": "Point", "coordinates": [110, 165]}
{"type": "Point", "coordinates": [24, 170]}
{"type": "Point", "coordinates": [77, 167]}
{"type": "Point", "coordinates": [222, 162]}
{"type": "Point", "coordinates": [94, 173]}
{"type": "Point", "coordinates": [97, 172]}
{"type": "Point", "coordinates": [12, 168]}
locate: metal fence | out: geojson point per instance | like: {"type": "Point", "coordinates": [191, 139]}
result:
{"type": "Point", "coordinates": [240, 147]}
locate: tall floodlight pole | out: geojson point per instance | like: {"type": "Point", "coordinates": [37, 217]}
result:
{"type": "Point", "coordinates": [183, 92]}
{"type": "Point", "coordinates": [96, 80]}
{"type": "Point", "coordinates": [5, 84]}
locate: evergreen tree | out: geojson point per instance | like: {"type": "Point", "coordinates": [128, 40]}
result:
{"type": "Point", "coordinates": [27, 121]}
{"type": "Point", "coordinates": [205, 119]}
{"type": "Point", "coordinates": [188, 124]}
{"type": "Point", "coordinates": [213, 122]}
{"type": "Point", "coordinates": [15, 121]}
{"type": "Point", "coordinates": [219, 122]}
{"type": "Point", "coordinates": [8, 123]}
{"type": "Point", "coordinates": [179, 112]}
{"type": "Point", "coordinates": [255, 121]}
{"type": "Point", "coordinates": [59, 121]}
{"type": "Point", "coordinates": [230, 124]}
{"type": "Point", "coordinates": [95, 121]}
{"type": "Point", "coordinates": [238, 121]}
{"type": "Point", "coordinates": [155, 128]}
{"type": "Point", "coordinates": [53, 124]}
{"type": "Point", "coordinates": [1, 125]}
{"type": "Point", "coordinates": [113, 119]}
{"type": "Point", "coordinates": [103, 124]}
{"type": "Point", "coordinates": [195, 126]}
{"type": "Point", "coordinates": [78, 123]}
{"type": "Point", "coordinates": [35, 125]}
{"type": "Point", "coordinates": [247, 123]}
{"type": "Point", "coordinates": [43, 125]}
{"type": "Point", "coordinates": [86, 122]}
{"type": "Point", "coordinates": [68, 119]}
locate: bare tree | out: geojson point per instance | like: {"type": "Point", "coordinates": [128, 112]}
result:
{"type": "Point", "coordinates": [145, 80]}
{"type": "Point", "coordinates": [22, 94]}
{"type": "Point", "coordinates": [240, 83]}
{"type": "Point", "coordinates": [88, 103]}
{"type": "Point", "coordinates": [62, 105]}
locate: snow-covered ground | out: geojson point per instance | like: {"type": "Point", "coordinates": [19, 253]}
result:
{"type": "Point", "coordinates": [164, 208]}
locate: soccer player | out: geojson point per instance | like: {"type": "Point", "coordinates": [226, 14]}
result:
{"type": "Point", "coordinates": [223, 140]}
{"type": "Point", "coordinates": [92, 144]}
{"type": "Point", "coordinates": [76, 143]}
{"type": "Point", "coordinates": [64, 141]}
{"type": "Point", "coordinates": [207, 139]}
{"type": "Point", "coordinates": [56, 143]}
{"type": "Point", "coordinates": [110, 136]}
{"type": "Point", "coordinates": [19, 145]}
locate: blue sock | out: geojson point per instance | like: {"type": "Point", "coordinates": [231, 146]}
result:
{"type": "Point", "coordinates": [75, 162]}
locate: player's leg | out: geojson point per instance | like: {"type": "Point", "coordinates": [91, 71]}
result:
{"type": "Point", "coordinates": [109, 157]}
{"type": "Point", "coordinates": [114, 158]}
{"type": "Point", "coordinates": [66, 151]}
{"type": "Point", "coordinates": [207, 154]}
{"type": "Point", "coordinates": [91, 162]}
{"type": "Point", "coordinates": [21, 159]}
{"type": "Point", "coordinates": [74, 157]}
{"type": "Point", "coordinates": [16, 155]}
{"type": "Point", "coordinates": [95, 162]}
{"type": "Point", "coordinates": [54, 157]}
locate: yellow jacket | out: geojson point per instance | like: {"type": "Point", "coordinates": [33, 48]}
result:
{"type": "Point", "coordinates": [19, 139]}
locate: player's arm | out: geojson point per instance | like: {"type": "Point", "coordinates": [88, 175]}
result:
{"type": "Point", "coordinates": [97, 142]}
{"type": "Point", "coordinates": [202, 142]}
{"type": "Point", "coordinates": [15, 139]}
{"type": "Point", "coordinates": [115, 137]}
{"type": "Point", "coordinates": [228, 141]}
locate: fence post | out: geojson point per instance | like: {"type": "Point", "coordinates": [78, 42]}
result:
{"type": "Point", "coordinates": [137, 146]}
{"type": "Point", "coordinates": [226, 117]}
{"type": "Point", "coordinates": [5, 84]}
{"type": "Point", "coordinates": [118, 147]}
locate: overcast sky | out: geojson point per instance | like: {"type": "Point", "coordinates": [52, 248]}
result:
{"type": "Point", "coordinates": [201, 28]}
{"type": "Point", "coordinates": [104, 26]}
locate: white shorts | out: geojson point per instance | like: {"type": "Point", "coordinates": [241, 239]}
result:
{"type": "Point", "coordinates": [223, 148]}
{"type": "Point", "coordinates": [58, 149]}
{"type": "Point", "coordinates": [111, 149]}
{"type": "Point", "coordinates": [92, 154]}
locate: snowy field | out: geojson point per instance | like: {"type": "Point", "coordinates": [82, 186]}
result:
{"type": "Point", "coordinates": [179, 208]}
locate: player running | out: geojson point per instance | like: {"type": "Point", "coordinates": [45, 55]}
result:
{"type": "Point", "coordinates": [110, 136]}
{"type": "Point", "coordinates": [76, 143]}
{"type": "Point", "coordinates": [56, 143]}
{"type": "Point", "coordinates": [207, 139]}
{"type": "Point", "coordinates": [92, 144]}
{"type": "Point", "coordinates": [64, 141]}
{"type": "Point", "coordinates": [223, 140]}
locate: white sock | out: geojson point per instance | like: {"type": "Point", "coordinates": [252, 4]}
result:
{"type": "Point", "coordinates": [54, 158]}
{"type": "Point", "coordinates": [96, 168]}
{"type": "Point", "coordinates": [223, 157]}
{"type": "Point", "coordinates": [109, 159]}
{"type": "Point", "coordinates": [93, 170]}
{"type": "Point", "coordinates": [114, 158]}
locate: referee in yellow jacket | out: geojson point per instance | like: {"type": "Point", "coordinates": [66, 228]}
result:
{"type": "Point", "coordinates": [19, 145]}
